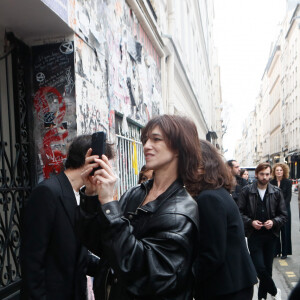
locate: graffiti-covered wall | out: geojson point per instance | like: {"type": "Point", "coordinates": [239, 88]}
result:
{"type": "Point", "coordinates": [54, 104]}
{"type": "Point", "coordinates": [117, 68]}
{"type": "Point", "coordinates": [91, 89]}
{"type": "Point", "coordinates": [109, 66]}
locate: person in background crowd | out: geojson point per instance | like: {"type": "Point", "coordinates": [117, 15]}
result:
{"type": "Point", "coordinates": [280, 174]}
{"type": "Point", "coordinates": [145, 174]}
{"type": "Point", "coordinates": [223, 268]}
{"type": "Point", "coordinates": [147, 239]}
{"type": "Point", "coordinates": [263, 211]}
{"type": "Point", "coordinates": [240, 182]}
{"type": "Point", "coordinates": [54, 262]}
{"type": "Point", "coordinates": [244, 174]}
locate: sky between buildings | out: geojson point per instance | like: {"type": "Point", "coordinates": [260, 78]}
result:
{"type": "Point", "coordinates": [243, 32]}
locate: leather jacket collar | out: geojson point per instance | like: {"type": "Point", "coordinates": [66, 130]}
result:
{"type": "Point", "coordinates": [253, 188]}
{"type": "Point", "coordinates": [153, 206]}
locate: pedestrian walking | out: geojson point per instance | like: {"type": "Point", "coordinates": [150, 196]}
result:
{"type": "Point", "coordinates": [263, 211]}
{"type": "Point", "coordinates": [223, 268]}
{"type": "Point", "coordinates": [147, 239]}
{"type": "Point", "coordinates": [280, 174]}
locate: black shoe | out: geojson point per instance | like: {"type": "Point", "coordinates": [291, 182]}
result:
{"type": "Point", "coordinates": [283, 256]}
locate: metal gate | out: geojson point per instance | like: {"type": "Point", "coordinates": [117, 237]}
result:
{"type": "Point", "coordinates": [15, 179]}
{"type": "Point", "coordinates": [130, 160]}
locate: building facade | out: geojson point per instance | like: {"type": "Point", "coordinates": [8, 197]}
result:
{"type": "Point", "coordinates": [277, 107]}
{"type": "Point", "coordinates": [192, 71]}
{"type": "Point", "coordinates": [70, 67]}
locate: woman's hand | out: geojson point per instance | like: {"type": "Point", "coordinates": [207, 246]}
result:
{"type": "Point", "coordinates": [90, 164]}
{"type": "Point", "coordinates": [105, 180]}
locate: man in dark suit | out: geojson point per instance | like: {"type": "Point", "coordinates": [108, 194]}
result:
{"type": "Point", "coordinates": [54, 263]}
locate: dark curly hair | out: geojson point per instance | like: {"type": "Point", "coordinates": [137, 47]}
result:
{"type": "Point", "coordinates": [214, 172]}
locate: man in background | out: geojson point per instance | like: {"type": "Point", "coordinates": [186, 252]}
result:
{"type": "Point", "coordinates": [263, 211]}
{"type": "Point", "coordinates": [240, 182]}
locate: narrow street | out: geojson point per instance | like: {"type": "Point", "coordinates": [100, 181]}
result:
{"type": "Point", "coordinates": [286, 272]}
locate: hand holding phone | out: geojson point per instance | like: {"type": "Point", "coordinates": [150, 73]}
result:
{"type": "Point", "coordinates": [98, 146]}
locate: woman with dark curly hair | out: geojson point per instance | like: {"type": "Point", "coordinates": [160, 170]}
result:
{"type": "Point", "coordinates": [280, 174]}
{"type": "Point", "coordinates": [223, 268]}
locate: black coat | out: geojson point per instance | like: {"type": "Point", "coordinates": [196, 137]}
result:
{"type": "Point", "coordinates": [54, 262]}
{"type": "Point", "coordinates": [284, 244]}
{"type": "Point", "coordinates": [286, 188]}
{"type": "Point", "coordinates": [150, 248]}
{"type": "Point", "coordinates": [240, 183]}
{"type": "Point", "coordinates": [223, 265]}
{"type": "Point", "coordinates": [275, 204]}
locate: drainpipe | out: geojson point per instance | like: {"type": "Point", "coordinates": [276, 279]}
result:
{"type": "Point", "coordinates": [170, 59]}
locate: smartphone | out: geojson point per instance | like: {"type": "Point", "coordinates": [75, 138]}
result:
{"type": "Point", "coordinates": [98, 145]}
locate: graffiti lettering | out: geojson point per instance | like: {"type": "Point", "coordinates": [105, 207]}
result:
{"type": "Point", "coordinates": [52, 158]}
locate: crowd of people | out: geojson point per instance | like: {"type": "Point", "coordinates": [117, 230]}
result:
{"type": "Point", "coordinates": [179, 234]}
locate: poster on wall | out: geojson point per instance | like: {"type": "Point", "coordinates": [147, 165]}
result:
{"type": "Point", "coordinates": [54, 104]}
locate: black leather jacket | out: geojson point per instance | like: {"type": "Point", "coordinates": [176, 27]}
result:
{"type": "Point", "coordinates": [275, 204]}
{"type": "Point", "coordinates": [240, 183]}
{"type": "Point", "coordinates": [150, 248]}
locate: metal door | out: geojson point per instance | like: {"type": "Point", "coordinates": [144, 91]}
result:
{"type": "Point", "coordinates": [15, 173]}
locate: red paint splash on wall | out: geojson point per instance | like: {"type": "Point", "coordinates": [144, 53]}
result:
{"type": "Point", "coordinates": [55, 132]}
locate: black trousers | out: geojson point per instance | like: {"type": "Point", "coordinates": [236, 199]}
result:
{"type": "Point", "coordinates": [262, 246]}
{"type": "Point", "coordinates": [284, 242]}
